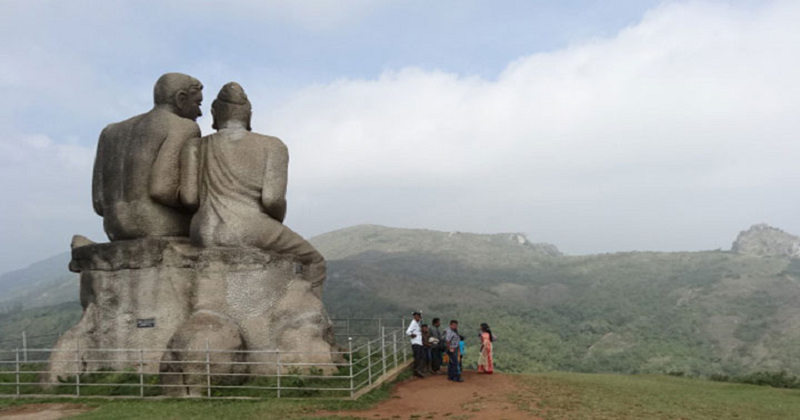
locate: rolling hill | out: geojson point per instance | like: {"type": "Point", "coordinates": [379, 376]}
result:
{"type": "Point", "coordinates": [691, 312]}
{"type": "Point", "coordinates": [47, 282]}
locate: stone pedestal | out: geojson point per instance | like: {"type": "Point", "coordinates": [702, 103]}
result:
{"type": "Point", "coordinates": [162, 295]}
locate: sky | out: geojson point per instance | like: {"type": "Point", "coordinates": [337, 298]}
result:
{"type": "Point", "coordinates": [598, 126]}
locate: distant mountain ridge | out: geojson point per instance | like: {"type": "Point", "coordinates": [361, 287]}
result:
{"type": "Point", "coordinates": [347, 242]}
{"type": "Point", "coordinates": [693, 312]}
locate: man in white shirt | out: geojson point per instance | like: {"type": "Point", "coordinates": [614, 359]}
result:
{"type": "Point", "coordinates": [415, 332]}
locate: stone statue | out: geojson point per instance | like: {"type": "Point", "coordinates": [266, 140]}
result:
{"type": "Point", "coordinates": [232, 277]}
{"type": "Point", "coordinates": [236, 180]}
{"type": "Point", "coordinates": [136, 170]}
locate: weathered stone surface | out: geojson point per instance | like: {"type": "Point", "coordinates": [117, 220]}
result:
{"type": "Point", "coordinates": [204, 329]}
{"type": "Point", "coordinates": [199, 256]}
{"type": "Point", "coordinates": [256, 299]}
{"type": "Point", "coordinates": [136, 174]}
{"type": "Point", "coordinates": [236, 181]}
{"type": "Point", "coordinates": [764, 240]}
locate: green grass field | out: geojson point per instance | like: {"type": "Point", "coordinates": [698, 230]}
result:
{"type": "Point", "coordinates": [548, 395]}
{"type": "Point", "coordinates": [210, 409]}
{"type": "Point", "coordinates": [605, 396]}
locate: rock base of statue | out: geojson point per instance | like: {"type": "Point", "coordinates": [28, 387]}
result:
{"type": "Point", "coordinates": [173, 301]}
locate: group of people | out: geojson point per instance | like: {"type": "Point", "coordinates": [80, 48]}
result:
{"type": "Point", "coordinates": [432, 348]}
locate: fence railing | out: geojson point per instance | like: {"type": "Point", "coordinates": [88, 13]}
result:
{"type": "Point", "coordinates": [357, 328]}
{"type": "Point", "coordinates": [362, 362]}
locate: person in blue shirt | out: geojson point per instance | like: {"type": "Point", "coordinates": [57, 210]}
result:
{"type": "Point", "coordinates": [453, 347]}
{"type": "Point", "coordinates": [462, 350]}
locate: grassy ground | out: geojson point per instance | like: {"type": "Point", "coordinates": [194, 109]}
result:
{"type": "Point", "coordinates": [212, 409]}
{"type": "Point", "coordinates": [600, 396]}
{"type": "Point", "coordinates": [549, 395]}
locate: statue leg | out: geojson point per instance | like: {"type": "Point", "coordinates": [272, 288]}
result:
{"type": "Point", "coordinates": [289, 242]}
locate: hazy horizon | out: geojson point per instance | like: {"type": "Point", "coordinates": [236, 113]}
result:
{"type": "Point", "coordinates": [595, 126]}
{"type": "Point", "coordinates": [532, 240]}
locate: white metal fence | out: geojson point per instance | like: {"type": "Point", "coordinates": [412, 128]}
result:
{"type": "Point", "coordinates": [371, 352]}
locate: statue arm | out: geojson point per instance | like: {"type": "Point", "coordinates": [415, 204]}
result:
{"type": "Point", "coordinates": [188, 189]}
{"type": "Point", "coordinates": [165, 175]}
{"type": "Point", "coordinates": [273, 193]}
{"type": "Point", "coordinates": [97, 176]}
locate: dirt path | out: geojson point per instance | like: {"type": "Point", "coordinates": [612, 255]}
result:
{"type": "Point", "coordinates": [478, 397]}
{"type": "Point", "coordinates": [43, 411]}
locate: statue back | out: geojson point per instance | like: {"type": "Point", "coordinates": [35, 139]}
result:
{"type": "Point", "coordinates": [232, 172]}
{"type": "Point", "coordinates": [235, 163]}
{"type": "Point", "coordinates": [121, 186]}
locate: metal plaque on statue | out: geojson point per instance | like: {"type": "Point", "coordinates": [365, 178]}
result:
{"type": "Point", "coordinates": [146, 323]}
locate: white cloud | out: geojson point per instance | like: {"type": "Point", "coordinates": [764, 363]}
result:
{"type": "Point", "coordinates": [672, 134]}
{"type": "Point", "coordinates": [660, 128]}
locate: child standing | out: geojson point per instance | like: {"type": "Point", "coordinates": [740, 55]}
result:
{"type": "Point", "coordinates": [462, 350]}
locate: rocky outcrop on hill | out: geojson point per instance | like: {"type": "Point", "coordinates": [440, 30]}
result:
{"type": "Point", "coordinates": [767, 241]}
{"type": "Point", "coordinates": [538, 247]}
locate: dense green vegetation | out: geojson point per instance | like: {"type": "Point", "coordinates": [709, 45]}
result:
{"type": "Point", "coordinates": [42, 325]}
{"type": "Point", "coordinates": [698, 313]}
{"type": "Point", "coordinates": [774, 379]}
{"type": "Point", "coordinates": [693, 313]}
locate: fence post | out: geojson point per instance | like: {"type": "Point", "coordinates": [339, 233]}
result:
{"type": "Point", "coordinates": [141, 372]}
{"type": "Point", "coordinates": [208, 371]}
{"type": "Point", "coordinates": [403, 349]}
{"type": "Point", "coordinates": [77, 368]}
{"type": "Point", "coordinates": [394, 345]}
{"type": "Point", "coordinates": [369, 361]}
{"type": "Point", "coordinates": [383, 349]}
{"type": "Point", "coordinates": [380, 325]}
{"type": "Point", "coordinates": [17, 371]}
{"type": "Point", "coordinates": [279, 373]}
{"type": "Point", "coordinates": [350, 350]}
{"type": "Point", "coordinates": [404, 352]}
{"type": "Point", "coordinates": [24, 347]}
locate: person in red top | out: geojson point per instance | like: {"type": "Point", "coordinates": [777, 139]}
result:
{"type": "Point", "coordinates": [485, 363]}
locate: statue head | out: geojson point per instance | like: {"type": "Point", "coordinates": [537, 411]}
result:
{"type": "Point", "coordinates": [182, 93]}
{"type": "Point", "coordinates": [231, 107]}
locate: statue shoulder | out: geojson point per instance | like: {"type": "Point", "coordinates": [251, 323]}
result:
{"type": "Point", "coordinates": [112, 130]}
{"type": "Point", "coordinates": [160, 123]}
{"type": "Point", "coordinates": [273, 143]}
{"type": "Point", "coordinates": [183, 124]}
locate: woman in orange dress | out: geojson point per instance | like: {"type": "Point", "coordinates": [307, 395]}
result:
{"type": "Point", "coordinates": [485, 363]}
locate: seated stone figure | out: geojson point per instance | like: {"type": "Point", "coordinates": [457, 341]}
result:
{"type": "Point", "coordinates": [236, 180]}
{"type": "Point", "coordinates": [136, 171]}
